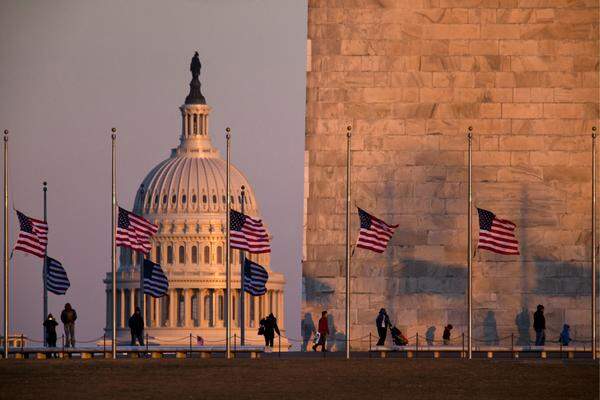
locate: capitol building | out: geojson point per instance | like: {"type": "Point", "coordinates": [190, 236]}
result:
{"type": "Point", "coordinates": [185, 196]}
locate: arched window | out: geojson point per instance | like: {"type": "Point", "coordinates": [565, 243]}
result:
{"type": "Point", "coordinates": [169, 254]}
{"type": "Point", "coordinates": [158, 254]}
{"type": "Point", "coordinates": [194, 255]}
{"type": "Point", "coordinates": [204, 198]}
{"type": "Point", "coordinates": [183, 198]}
{"type": "Point", "coordinates": [224, 199]}
{"type": "Point", "coordinates": [194, 199]}
{"type": "Point", "coordinates": [208, 311]}
{"type": "Point", "coordinates": [181, 254]}
{"type": "Point", "coordinates": [206, 255]}
{"type": "Point", "coordinates": [174, 199]}
{"type": "Point", "coordinates": [165, 199]}
{"type": "Point", "coordinates": [214, 198]}
{"type": "Point", "coordinates": [156, 199]}
{"type": "Point", "coordinates": [219, 255]}
{"type": "Point", "coordinates": [195, 308]}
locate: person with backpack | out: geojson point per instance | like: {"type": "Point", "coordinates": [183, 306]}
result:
{"type": "Point", "coordinates": [269, 325]}
{"type": "Point", "coordinates": [136, 326]}
{"type": "Point", "coordinates": [68, 318]}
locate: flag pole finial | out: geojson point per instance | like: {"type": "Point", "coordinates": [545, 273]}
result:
{"type": "Point", "coordinates": [45, 186]}
{"type": "Point", "coordinates": [593, 132]}
{"type": "Point", "coordinates": [114, 133]}
{"type": "Point", "coordinates": [6, 135]}
{"type": "Point", "coordinates": [470, 133]}
{"type": "Point", "coordinates": [349, 129]}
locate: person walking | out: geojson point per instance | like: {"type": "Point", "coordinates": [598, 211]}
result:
{"type": "Point", "coordinates": [50, 325]}
{"type": "Point", "coordinates": [447, 334]}
{"type": "Point", "coordinates": [269, 328]}
{"type": "Point", "coordinates": [323, 331]}
{"type": "Point", "coordinates": [68, 318]}
{"type": "Point", "coordinates": [565, 335]}
{"type": "Point", "coordinates": [136, 326]}
{"type": "Point", "coordinates": [382, 322]}
{"type": "Point", "coordinates": [539, 325]}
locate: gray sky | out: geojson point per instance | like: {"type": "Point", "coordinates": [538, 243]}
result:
{"type": "Point", "coordinates": [70, 70]}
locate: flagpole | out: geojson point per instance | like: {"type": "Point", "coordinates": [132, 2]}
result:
{"type": "Point", "coordinates": [5, 252]}
{"type": "Point", "coordinates": [594, 240]}
{"type": "Point", "coordinates": [469, 244]}
{"type": "Point", "coordinates": [227, 254]}
{"type": "Point", "coordinates": [45, 267]}
{"type": "Point", "coordinates": [242, 292]}
{"type": "Point", "coordinates": [113, 247]}
{"type": "Point", "coordinates": [142, 303]}
{"type": "Point", "coordinates": [348, 143]}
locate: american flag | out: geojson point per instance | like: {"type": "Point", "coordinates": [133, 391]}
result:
{"type": "Point", "coordinates": [33, 237]}
{"type": "Point", "coordinates": [156, 283]}
{"type": "Point", "coordinates": [374, 233]}
{"type": "Point", "coordinates": [255, 278]}
{"type": "Point", "coordinates": [248, 234]}
{"type": "Point", "coordinates": [495, 234]}
{"type": "Point", "coordinates": [134, 231]}
{"type": "Point", "coordinates": [56, 278]}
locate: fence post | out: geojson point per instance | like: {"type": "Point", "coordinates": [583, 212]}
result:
{"type": "Point", "coordinates": [22, 339]}
{"type": "Point", "coordinates": [417, 346]}
{"type": "Point", "coordinates": [463, 345]}
{"type": "Point", "coordinates": [104, 344]}
{"type": "Point", "coordinates": [190, 344]}
{"type": "Point", "coordinates": [234, 343]}
{"type": "Point", "coordinates": [279, 339]}
{"type": "Point", "coordinates": [369, 344]}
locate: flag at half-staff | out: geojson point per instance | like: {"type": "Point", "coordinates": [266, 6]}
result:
{"type": "Point", "coordinates": [374, 233]}
{"type": "Point", "coordinates": [56, 277]}
{"type": "Point", "coordinates": [156, 283]}
{"type": "Point", "coordinates": [33, 237]}
{"type": "Point", "coordinates": [255, 278]}
{"type": "Point", "coordinates": [495, 234]}
{"type": "Point", "coordinates": [134, 231]}
{"type": "Point", "coordinates": [248, 234]}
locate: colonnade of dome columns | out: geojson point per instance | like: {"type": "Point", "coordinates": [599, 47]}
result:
{"type": "Point", "coordinates": [195, 308]}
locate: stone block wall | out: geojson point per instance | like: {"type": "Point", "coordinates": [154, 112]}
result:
{"type": "Point", "coordinates": [411, 76]}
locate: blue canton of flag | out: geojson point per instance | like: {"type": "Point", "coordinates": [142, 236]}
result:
{"type": "Point", "coordinates": [255, 278]}
{"type": "Point", "coordinates": [56, 278]}
{"type": "Point", "coordinates": [156, 283]}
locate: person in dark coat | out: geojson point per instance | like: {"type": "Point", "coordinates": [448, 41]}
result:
{"type": "Point", "coordinates": [50, 325]}
{"type": "Point", "coordinates": [539, 325]}
{"type": "Point", "coordinates": [382, 322]}
{"type": "Point", "coordinates": [447, 333]}
{"type": "Point", "coordinates": [136, 326]}
{"type": "Point", "coordinates": [323, 331]}
{"type": "Point", "coordinates": [269, 325]}
{"type": "Point", "coordinates": [68, 318]}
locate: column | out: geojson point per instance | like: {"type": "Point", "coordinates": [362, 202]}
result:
{"type": "Point", "coordinates": [152, 319]}
{"type": "Point", "coordinates": [187, 312]}
{"type": "Point", "coordinates": [131, 301]}
{"type": "Point", "coordinates": [158, 312]}
{"type": "Point", "coordinates": [256, 310]}
{"type": "Point", "coordinates": [122, 308]}
{"type": "Point", "coordinates": [280, 307]}
{"type": "Point", "coordinates": [108, 310]}
{"type": "Point", "coordinates": [172, 308]}
{"type": "Point", "coordinates": [201, 307]}
{"type": "Point", "coordinates": [214, 307]}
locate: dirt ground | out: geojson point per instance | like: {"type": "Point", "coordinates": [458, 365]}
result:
{"type": "Point", "coordinates": [298, 378]}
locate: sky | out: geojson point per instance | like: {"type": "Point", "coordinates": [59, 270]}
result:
{"type": "Point", "coordinates": [71, 70]}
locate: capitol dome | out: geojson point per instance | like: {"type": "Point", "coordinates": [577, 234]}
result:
{"type": "Point", "coordinates": [186, 197]}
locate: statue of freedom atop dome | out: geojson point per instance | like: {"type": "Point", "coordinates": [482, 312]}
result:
{"type": "Point", "coordinates": [195, 96]}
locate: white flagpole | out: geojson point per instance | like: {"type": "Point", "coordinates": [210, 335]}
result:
{"type": "Point", "coordinates": [5, 253]}
{"type": "Point", "coordinates": [227, 254]}
{"type": "Point", "coordinates": [242, 291]}
{"type": "Point", "coordinates": [594, 239]}
{"type": "Point", "coordinates": [470, 245]}
{"type": "Point", "coordinates": [348, 143]}
{"type": "Point", "coordinates": [45, 269]}
{"type": "Point", "coordinates": [113, 247]}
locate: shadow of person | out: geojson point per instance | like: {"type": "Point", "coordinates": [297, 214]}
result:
{"type": "Point", "coordinates": [523, 322]}
{"type": "Point", "coordinates": [336, 340]}
{"type": "Point", "coordinates": [307, 327]}
{"type": "Point", "coordinates": [490, 329]}
{"type": "Point", "coordinates": [430, 335]}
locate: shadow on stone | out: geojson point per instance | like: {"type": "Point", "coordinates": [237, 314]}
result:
{"type": "Point", "coordinates": [523, 322]}
{"type": "Point", "coordinates": [307, 329]}
{"type": "Point", "coordinates": [490, 329]}
{"type": "Point", "coordinates": [430, 335]}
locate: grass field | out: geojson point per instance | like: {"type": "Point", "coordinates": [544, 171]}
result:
{"type": "Point", "coordinates": [298, 378]}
